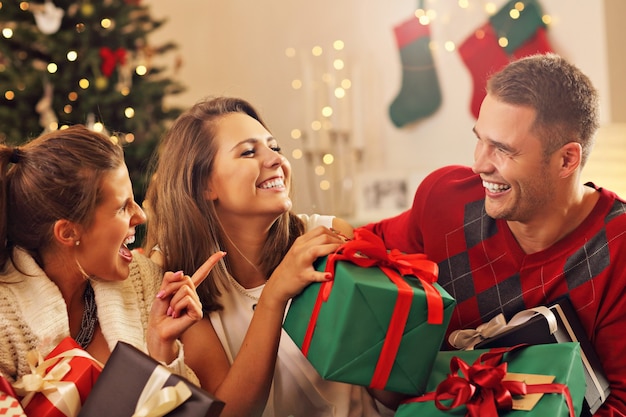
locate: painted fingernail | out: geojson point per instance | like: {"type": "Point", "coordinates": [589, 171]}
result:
{"type": "Point", "coordinates": [170, 310]}
{"type": "Point", "coordinates": [328, 276]}
{"type": "Point", "coordinates": [160, 294]}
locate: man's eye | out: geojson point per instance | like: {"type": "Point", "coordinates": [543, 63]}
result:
{"type": "Point", "coordinates": [503, 151]}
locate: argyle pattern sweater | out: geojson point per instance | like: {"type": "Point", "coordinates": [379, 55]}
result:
{"type": "Point", "coordinates": [482, 266]}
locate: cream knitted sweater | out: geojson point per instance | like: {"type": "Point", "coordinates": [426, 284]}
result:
{"type": "Point", "coordinates": [33, 314]}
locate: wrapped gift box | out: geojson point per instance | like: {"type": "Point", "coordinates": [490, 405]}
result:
{"type": "Point", "coordinates": [123, 381]}
{"type": "Point", "coordinates": [345, 326]}
{"type": "Point", "coordinates": [568, 329]}
{"type": "Point", "coordinates": [9, 404]}
{"type": "Point", "coordinates": [561, 361]}
{"type": "Point", "coordinates": [68, 374]}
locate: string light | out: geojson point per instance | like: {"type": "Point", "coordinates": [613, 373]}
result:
{"type": "Point", "coordinates": [129, 112]}
{"type": "Point", "coordinates": [296, 133]}
{"type": "Point", "coordinates": [297, 154]}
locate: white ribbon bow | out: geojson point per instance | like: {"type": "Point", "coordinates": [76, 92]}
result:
{"type": "Point", "coordinates": [466, 339]}
{"type": "Point", "coordinates": [62, 394]}
{"type": "Point", "coordinates": [156, 400]}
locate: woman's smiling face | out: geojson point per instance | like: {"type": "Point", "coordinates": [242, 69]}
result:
{"type": "Point", "coordinates": [103, 250]}
{"type": "Point", "coordinates": [250, 176]}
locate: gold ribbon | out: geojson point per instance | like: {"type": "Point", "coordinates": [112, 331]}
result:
{"type": "Point", "coordinates": [156, 400]}
{"type": "Point", "coordinates": [62, 394]}
{"type": "Point", "coordinates": [466, 339]}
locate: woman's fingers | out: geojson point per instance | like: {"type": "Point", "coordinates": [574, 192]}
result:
{"type": "Point", "coordinates": [203, 272]}
{"type": "Point", "coordinates": [173, 281]}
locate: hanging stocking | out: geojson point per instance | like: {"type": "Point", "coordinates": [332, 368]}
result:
{"type": "Point", "coordinates": [419, 95]}
{"type": "Point", "coordinates": [482, 54]}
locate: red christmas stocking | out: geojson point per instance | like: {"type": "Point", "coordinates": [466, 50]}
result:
{"type": "Point", "coordinates": [419, 95]}
{"type": "Point", "coordinates": [482, 54]}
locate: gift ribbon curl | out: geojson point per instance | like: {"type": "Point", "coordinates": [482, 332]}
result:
{"type": "Point", "coordinates": [466, 339]}
{"type": "Point", "coordinates": [368, 250]}
{"type": "Point", "coordinates": [481, 388]}
{"type": "Point", "coordinates": [62, 394]}
{"type": "Point", "coordinates": [156, 400]}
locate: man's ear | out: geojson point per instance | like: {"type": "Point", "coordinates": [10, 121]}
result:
{"type": "Point", "coordinates": [66, 232]}
{"type": "Point", "coordinates": [571, 158]}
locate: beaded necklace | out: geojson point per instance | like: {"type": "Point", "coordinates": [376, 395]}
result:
{"type": "Point", "coordinates": [90, 318]}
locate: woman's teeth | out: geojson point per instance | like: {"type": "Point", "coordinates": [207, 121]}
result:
{"type": "Point", "coordinates": [272, 184]}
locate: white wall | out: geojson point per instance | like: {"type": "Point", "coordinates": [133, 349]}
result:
{"type": "Point", "coordinates": [237, 47]}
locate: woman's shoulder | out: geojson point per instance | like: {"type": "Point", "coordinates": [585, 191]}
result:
{"type": "Point", "coordinates": [144, 269]}
{"type": "Point", "coordinates": [313, 220]}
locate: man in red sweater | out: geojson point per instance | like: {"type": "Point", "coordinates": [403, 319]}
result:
{"type": "Point", "coordinates": [519, 229]}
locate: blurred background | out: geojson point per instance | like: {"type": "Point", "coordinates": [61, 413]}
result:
{"type": "Point", "coordinates": [365, 97]}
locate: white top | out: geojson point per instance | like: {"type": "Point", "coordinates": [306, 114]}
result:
{"type": "Point", "coordinates": [297, 389]}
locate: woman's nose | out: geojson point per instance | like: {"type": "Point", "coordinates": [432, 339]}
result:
{"type": "Point", "coordinates": [274, 159]}
{"type": "Point", "coordinates": [139, 216]}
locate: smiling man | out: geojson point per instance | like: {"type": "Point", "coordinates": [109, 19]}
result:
{"type": "Point", "coordinates": [519, 229]}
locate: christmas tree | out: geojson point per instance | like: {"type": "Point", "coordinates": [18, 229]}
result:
{"type": "Point", "coordinates": [65, 62]}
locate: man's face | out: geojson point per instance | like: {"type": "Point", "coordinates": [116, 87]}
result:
{"type": "Point", "coordinates": [519, 182]}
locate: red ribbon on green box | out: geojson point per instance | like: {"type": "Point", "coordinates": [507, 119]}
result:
{"type": "Point", "coordinates": [368, 250]}
{"type": "Point", "coordinates": [481, 389]}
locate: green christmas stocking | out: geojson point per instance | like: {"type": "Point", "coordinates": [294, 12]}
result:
{"type": "Point", "coordinates": [419, 95]}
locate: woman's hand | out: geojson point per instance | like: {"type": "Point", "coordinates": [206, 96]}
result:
{"type": "Point", "coordinates": [175, 309]}
{"type": "Point", "coordinates": [296, 270]}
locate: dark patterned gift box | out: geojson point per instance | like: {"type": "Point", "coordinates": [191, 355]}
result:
{"type": "Point", "coordinates": [132, 383]}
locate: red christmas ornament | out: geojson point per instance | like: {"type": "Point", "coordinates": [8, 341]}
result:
{"type": "Point", "coordinates": [110, 59]}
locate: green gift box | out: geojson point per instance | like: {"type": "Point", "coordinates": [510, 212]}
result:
{"type": "Point", "coordinates": [354, 335]}
{"type": "Point", "coordinates": [562, 361]}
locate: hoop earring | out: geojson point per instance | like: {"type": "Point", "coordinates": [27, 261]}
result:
{"type": "Point", "coordinates": [85, 275]}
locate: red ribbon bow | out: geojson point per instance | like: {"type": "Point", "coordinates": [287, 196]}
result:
{"type": "Point", "coordinates": [480, 387]}
{"type": "Point", "coordinates": [110, 58]}
{"type": "Point", "coordinates": [367, 250]}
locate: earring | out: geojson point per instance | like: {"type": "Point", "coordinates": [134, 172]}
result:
{"type": "Point", "coordinates": [77, 243]}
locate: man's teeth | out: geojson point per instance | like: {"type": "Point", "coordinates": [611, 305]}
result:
{"type": "Point", "coordinates": [272, 184]}
{"type": "Point", "coordinates": [495, 188]}
{"type": "Point", "coordinates": [129, 240]}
